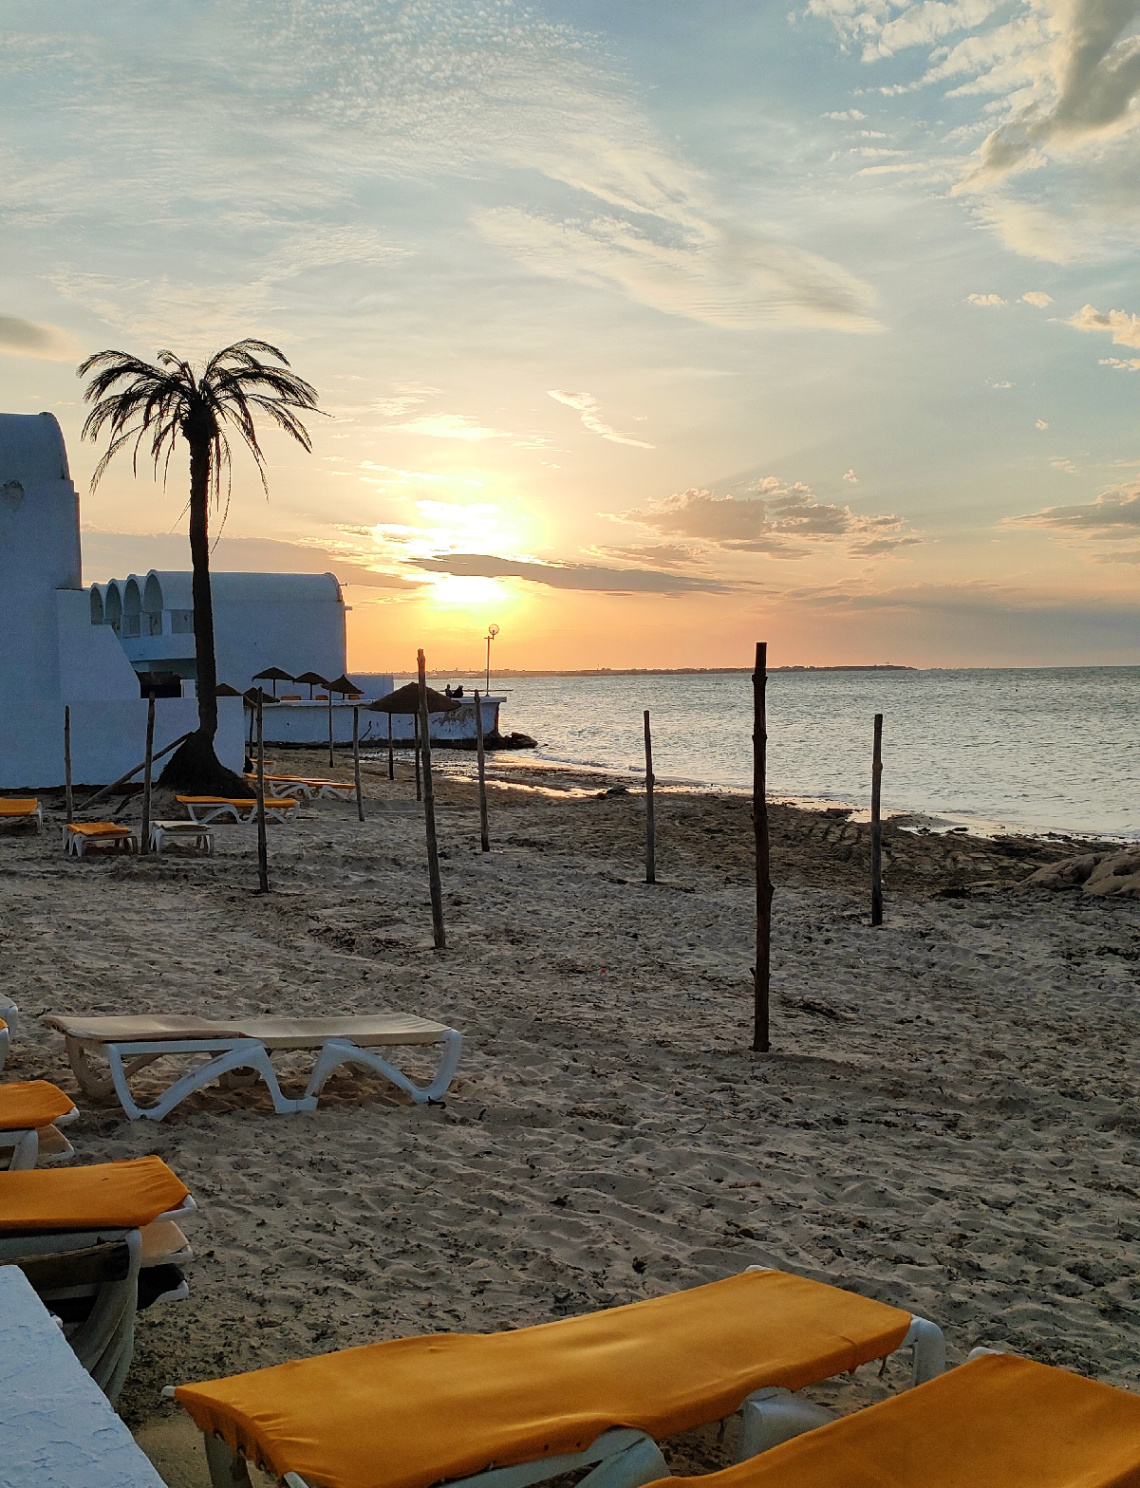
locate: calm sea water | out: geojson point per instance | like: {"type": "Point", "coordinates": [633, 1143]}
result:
{"type": "Point", "coordinates": [1040, 749]}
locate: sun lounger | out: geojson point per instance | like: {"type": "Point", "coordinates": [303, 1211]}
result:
{"type": "Point", "coordinates": [195, 833]}
{"type": "Point", "coordinates": [31, 1112]}
{"type": "Point", "coordinates": [217, 808]}
{"type": "Point", "coordinates": [301, 785]}
{"type": "Point", "coordinates": [21, 811]}
{"type": "Point", "coordinates": [130, 1043]}
{"type": "Point", "coordinates": [80, 837]}
{"type": "Point", "coordinates": [505, 1410]}
{"type": "Point", "coordinates": [995, 1422]}
{"type": "Point", "coordinates": [98, 1243]}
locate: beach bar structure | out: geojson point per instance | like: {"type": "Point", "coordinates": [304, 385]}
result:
{"type": "Point", "coordinates": [292, 621]}
{"type": "Point", "coordinates": [51, 656]}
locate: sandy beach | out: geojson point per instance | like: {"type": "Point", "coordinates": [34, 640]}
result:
{"type": "Point", "coordinates": [948, 1119]}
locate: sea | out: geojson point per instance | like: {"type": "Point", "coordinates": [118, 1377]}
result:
{"type": "Point", "coordinates": [1042, 749]}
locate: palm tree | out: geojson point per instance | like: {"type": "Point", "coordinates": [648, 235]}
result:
{"type": "Point", "coordinates": [136, 401]}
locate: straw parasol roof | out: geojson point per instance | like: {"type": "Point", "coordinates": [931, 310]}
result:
{"type": "Point", "coordinates": [343, 685]}
{"type": "Point", "coordinates": [406, 699]}
{"type": "Point", "coordinates": [224, 689]}
{"type": "Point", "coordinates": [274, 674]}
{"type": "Point", "coordinates": [311, 679]}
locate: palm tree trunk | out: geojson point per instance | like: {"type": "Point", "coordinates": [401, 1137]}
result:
{"type": "Point", "coordinates": [206, 664]}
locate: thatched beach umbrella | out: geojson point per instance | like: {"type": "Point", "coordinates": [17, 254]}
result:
{"type": "Point", "coordinates": [274, 675]}
{"type": "Point", "coordinates": [344, 685]}
{"type": "Point", "coordinates": [313, 679]}
{"type": "Point", "coordinates": [406, 700]}
{"type": "Point", "coordinates": [224, 689]}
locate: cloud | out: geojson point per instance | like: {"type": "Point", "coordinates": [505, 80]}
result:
{"type": "Point", "coordinates": [985, 299]}
{"type": "Point", "coordinates": [661, 555]}
{"type": "Point", "coordinates": [1040, 424]}
{"type": "Point", "coordinates": [1129, 364]}
{"type": "Point", "coordinates": [108, 555]}
{"type": "Point", "coordinates": [27, 338]}
{"type": "Point", "coordinates": [450, 426]}
{"type": "Point", "coordinates": [585, 576]}
{"type": "Point", "coordinates": [1124, 328]}
{"type": "Point", "coordinates": [1037, 297]}
{"type": "Point", "coordinates": [851, 477]}
{"type": "Point", "coordinates": [587, 406]}
{"type": "Point", "coordinates": [1114, 514]}
{"type": "Point", "coordinates": [846, 114]}
{"type": "Point", "coordinates": [772, 518]}
{"type": "Point", "coordinates": [685, 266]}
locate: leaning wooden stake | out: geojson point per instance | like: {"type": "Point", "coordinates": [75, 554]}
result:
{"type": "Point", "coordinates": [429, 814]}
{"type": "Point", "coordinates": [391, 761]}
{"type": "Point", "coordinates": [762, 974]}
{"type": "Point", "coordinates": [416, 751]}
{"type": "Point", "coordinates": [356, 761]}
{"type": "Point", "coordinates": [148, 772]}
{"type": "Point", "coordinates": [69, 799]}
{"type": "Point", "coordinates": [332, 760]}
{"type": "Point", "coordinates": [484, 832]}
{"type": "Point", "coordinates": [650, 846]}
{"type": "Point", "coordinates": [877, 824]}
{"type": "Point", "coordinates": [262, 845]}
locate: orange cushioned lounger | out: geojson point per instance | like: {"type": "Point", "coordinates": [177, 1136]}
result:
{"type": "Point", "coordinates": [28, 1104]}
{"type": "Point", "coordinates": [408, 1413]}
{"type": "Point", "coordinates": [98, 829]}
{"type": "Point", "coordinates": [996, 1422]}
{"type": "Point", "coordinates": [19, 805]}
{"type": "Point", "coordinates": [118, 1195]}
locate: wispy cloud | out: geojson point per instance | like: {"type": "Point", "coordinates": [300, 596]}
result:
{"type": "Point", "coordinates": [450, 426]}
{"type": "Point", "coordinates": [780, 520]}
{"type": "Point", "coordinates": [991, 301]}
{"type": "Point", "coordinates": [586, 405]}
{"type": "Point", "coordinates": [1123, 327]}
{"type": "Point", "coordinates": [1114, 514]}
{"type": "Point", "coordinates": [1038, 298]}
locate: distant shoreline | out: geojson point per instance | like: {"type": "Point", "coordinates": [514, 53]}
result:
{"type": "Point", "coordinates": [657, 671]}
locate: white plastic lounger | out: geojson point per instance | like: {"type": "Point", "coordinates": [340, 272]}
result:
{"type": "Point", "coordinates": [21, 811]}
{"type": "Point", "coordinates": [131, 1043]}
{"type": "Point", "coordinates": [206, 809]}
{"type": "Point", "coordinates": [196, 833]}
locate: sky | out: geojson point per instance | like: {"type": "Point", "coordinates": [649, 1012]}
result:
{"type": "Point", "coordinates": [643, 331]}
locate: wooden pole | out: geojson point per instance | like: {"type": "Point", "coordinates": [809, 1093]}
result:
{"type": "Point", "coordinates": [332, 761]}
{"type": "Point", "coordinates": [763, 970]}
{"type": "Point", "coordinates": [416, 751]}
{"type": "Point", "coordinates": [105, 790]}
{"type": "Point", "coordinates": [429, 815]}
{"type": "Point", "coordinates": [877, 824]}
{"type": "Point", "coordinates": [262, 844]}
{"type": "Point", "coordinates": [69, 799]}
{"type": "Point", "coordinates": [650, 845]}
{"type": "Point", "coordinates": [356, 761]}
{"type": "Point", "coordinates": [484, 832]}
{"type": "Point", "coordinates": [148, 771]}
{"type": "Point", "coordinates": [391, 761]}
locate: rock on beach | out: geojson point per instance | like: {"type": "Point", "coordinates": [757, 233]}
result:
{"type": "Point", "coordinates": [1110, 874]}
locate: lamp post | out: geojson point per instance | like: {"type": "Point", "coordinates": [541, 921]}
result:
{"type": "Point", "coordinates": [492, 632]}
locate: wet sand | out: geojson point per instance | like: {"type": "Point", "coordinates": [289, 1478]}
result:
{"type": "Point", "coordinates": [948, 1119]}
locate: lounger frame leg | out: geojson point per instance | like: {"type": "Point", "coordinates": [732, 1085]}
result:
{"type": "Point", "coordinates": [229, 1054]}
{"type": "Point", "coordinates": [338, 1051]}
{"type": "Point", "coordinates": [769, 1417]}
{"type": "Point", "coordinates": [226, 1469]}
{"type": "Point", "coordinates": [929, 1346]}
{"type": "Point", "coordinates": [25, 1149]}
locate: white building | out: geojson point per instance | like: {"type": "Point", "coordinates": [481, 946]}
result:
{"type": "Point", "coordinates": [51, 656]}
{"type": "Point", "coordinates": [291, 621]}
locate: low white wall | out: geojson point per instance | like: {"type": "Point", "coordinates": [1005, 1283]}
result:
{"type": "Point", "coordinates": [308, 723]}
{"type": "Point", "coordinates": [107, 738]}
{"type": "Point", "coordinates": [92, 665]}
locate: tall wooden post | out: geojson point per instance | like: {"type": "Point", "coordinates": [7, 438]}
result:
{"type": "Point", "coordinates": [877, 824]}
{"type": "Point", "coordinates": [68, 796]}
{"type": "Point", "coordinates": [262, 845]}
{"type": "Point", "coordinates": [148, 771]}
{"type": "Point", "coordinates": [763, 970]}
{"type": "Point", "coordinates": [416, 752]}
{"type": "Point", "coordinates": [484, 831]}
{"type": "Point", "coordinates": [650, 845]}
{"type": "Point", "coordinates": [391, 761]}
{"type": "Point", "coordinates": [356, 761]}
{"type": "Point", "coordinates": [332, 760]}
{"type": "Point", "coordinates": [429, 814]}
